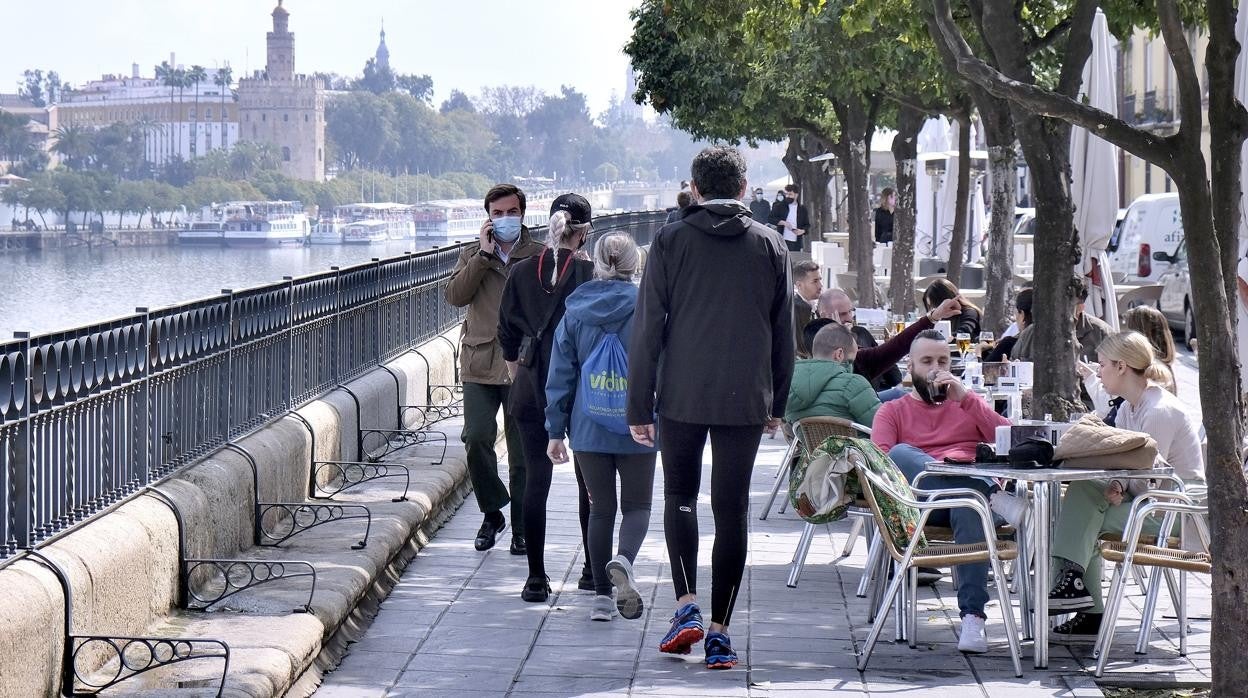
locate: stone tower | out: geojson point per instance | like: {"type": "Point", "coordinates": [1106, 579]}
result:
{"type": "Point", "coordinates": [283, 108]}
{"type": "Point", "coordinates": [383, 53]}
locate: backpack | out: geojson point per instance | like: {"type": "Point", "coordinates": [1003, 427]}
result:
{"type": "Point", "coordinates": [822, 483]}
{"type": "Point", "coordinates": [604, 384]}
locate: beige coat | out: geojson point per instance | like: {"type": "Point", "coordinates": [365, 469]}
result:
{"type": "Point", "coordinates": [477, 282]}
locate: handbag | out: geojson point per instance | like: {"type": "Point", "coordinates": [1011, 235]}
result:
{"type": "Point", "coordinates": [819, 487]}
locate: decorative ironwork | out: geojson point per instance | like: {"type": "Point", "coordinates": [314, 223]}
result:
{"type": "Point", "coordinates": [390, 441]}
{"type": "Point", "coordinates": [289, 519]}
{"type": "Point", "coordinates": [92, 415]}
{"type": "Point", "coordinates": [339, 475]}
{"type": "Point", "coordinates": [211, 581]}
{"type": "Point", "coordinates": [127, 657]}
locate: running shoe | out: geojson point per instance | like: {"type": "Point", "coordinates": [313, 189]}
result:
{"type": "Point", "coordinates": [686, 629]}
{"type": "Point", "coordinates": [627, 598]}
{"type": "Point", "coordinates": [602, 609]}
{"type": "Point", "coordinates": [719, 652]}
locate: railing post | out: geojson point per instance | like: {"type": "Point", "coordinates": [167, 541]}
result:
{"type": "Point", "coordinates": [337, 322]}
{"type": "Point", "coordinates": [290, 341]}
{"type": "Point", "coordinates": [228, 387]}
{"type": "Point", "coordinates": [141, 473]}
{"type": "Point", "coordinates": [20, 492]}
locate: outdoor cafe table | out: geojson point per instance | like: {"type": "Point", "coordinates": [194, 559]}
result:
{"type": "Point", "coordinates": [1046, 491]}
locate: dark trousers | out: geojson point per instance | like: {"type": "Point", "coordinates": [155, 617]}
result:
{"type": "Point", "coordinates": [794, 245]}
{"type": "Point", "coordinates": [481, 404]}
{"type": "Point", "coordinates": [733, 449]}
{"type": "Point", "coordinates": [636, 473]}
{"type": "Point", "coordinates": [534, 437]}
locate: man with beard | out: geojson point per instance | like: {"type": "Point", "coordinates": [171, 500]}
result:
{"type": "Point", "coordinates": [941, 419]}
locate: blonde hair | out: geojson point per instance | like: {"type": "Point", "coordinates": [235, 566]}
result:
{"type": "Point", "coordinates": [561, 231]}
{"type": "Point", "coordinates": [616, 257]}
{"type": "Point", "coordinates": [1134, 350]}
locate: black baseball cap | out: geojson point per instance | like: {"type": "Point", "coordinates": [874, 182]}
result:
{"type": "Point", "coordinates": [577, 207]}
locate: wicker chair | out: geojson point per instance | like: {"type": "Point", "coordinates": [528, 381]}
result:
{"type": "Point", "coordinates": [1154, 552]}
{"type": "Point", "coordinates": [809, 433]}
{"type": "Point", "coordinates": [913, 555]}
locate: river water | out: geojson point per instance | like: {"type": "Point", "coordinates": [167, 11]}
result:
{"type": "Point", "coordinates": [53, 290]}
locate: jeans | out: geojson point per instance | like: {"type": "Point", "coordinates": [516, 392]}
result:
{"type": "Point", "coordinates": [891, 394]}
{"type": "Point", "coordinates": [481, 403]}
{"type": "Point", "coordinates": [966, 524]}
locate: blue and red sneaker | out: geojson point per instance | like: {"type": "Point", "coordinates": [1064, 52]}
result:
{"type": "Point", "coordinates": [686, 629]}
{"type": "Point", "coordinates": [719, 652]}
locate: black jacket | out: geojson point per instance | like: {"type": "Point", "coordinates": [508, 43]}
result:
{"type": "Point", "coordinates": [780, 212]}
{"type": "Point", "coordinates": [713, 329]}
{"type": "Point", "coordinates": [526, 303]}
{"type": "Point", "coordinates": [760, 210]}
{"type": "Point", "coordinates": [883, 225]}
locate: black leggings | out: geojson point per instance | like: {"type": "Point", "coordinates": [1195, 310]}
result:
{"type": "Point", "coordinates": [733, 449]}
{"type": "Point", "coordinates": [534, 438]}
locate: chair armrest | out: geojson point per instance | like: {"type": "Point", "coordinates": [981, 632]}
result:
{"type": "Point", "coordinates": [1135, 524]}
{"type": "Point", "coordinates": [952, 492]}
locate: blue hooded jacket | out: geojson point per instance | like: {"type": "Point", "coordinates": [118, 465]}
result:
{"type": "Point", "coordinates": [594, 309]}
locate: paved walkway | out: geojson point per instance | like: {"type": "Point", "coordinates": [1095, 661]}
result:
{"type": "Point", "coordinates": [455, 625]}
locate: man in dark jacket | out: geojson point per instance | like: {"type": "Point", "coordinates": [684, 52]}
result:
{"type": "Point", "coordinates": [760, 209]}
{"type": "Point", "coordinates": [790, 218]}
{"type": "Point", "coordinates": [713, 337]}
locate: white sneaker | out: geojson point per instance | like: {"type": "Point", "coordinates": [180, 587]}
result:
{"type": "Point", "coordinates": [974, 637]}
{"type": "Point", "coordinates": [1010, 507]}
{"type": "Point", "coordinates": [627, 598]}
{"type": "Point", "coordinates": [603, 608]}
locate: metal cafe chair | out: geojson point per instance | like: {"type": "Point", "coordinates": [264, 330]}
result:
{"type": "Point", "coordinates": [808, 434]}
{"type": "Point", "coordinates": [1135, 549]}
{"type": "Point", "coordinates": [889, 486]}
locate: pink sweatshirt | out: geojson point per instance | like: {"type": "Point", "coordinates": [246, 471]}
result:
{"type": "Point", "coordinates": [948, 430]}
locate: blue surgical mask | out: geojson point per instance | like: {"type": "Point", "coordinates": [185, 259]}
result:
{"type": "Point", "coordinates": [507, 228]}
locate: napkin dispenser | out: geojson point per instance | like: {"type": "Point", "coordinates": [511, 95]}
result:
{"type": "Point", "coordinates": [1008, 435]}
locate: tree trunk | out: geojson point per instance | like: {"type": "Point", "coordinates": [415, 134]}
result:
{"type": "Point", "coordinates": [842, 217]}
{"type": "Point", "coordinates": [1002, 158]}
{"type": "Point", "coordinates": [811, 179]}
{"type": "Point", "coordinates": [856, 120]}
{"type": "Point", "coordinates": [957, 237]}
{"type": "Point", "coordinates": [905, 154]}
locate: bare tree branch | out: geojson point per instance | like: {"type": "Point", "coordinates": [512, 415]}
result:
{"type": "Point", "coordinates": [1185, 71]}
{"type": "Point", "coordinates": [1039, 43]}
{"type": "Point", "coordinates": [1078, 48]}
{"type": "Point", "coordinates": [1142, 144]}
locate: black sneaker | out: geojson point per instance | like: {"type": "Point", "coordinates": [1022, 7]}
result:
{"type": "Point", "coordinates": [1069, 594]}
{"type": "Point", "coordinates": [586, 582]}
{"type": "Point", "coordinates": [1080, 630]}
{"type": "Point", "coordinates": [536, 589]}
{"type": "Point", "coordinates": [488, 533]}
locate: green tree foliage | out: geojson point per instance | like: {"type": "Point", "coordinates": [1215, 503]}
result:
{"type": "Point", "coordinates": [42, 89]}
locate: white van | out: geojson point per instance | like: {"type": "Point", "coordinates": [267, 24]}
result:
{"type": "Point", "coordinates": [1153, 224]}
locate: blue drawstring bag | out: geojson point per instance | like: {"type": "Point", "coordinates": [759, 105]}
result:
{"type": "Point", "coordinates": [604, 384]}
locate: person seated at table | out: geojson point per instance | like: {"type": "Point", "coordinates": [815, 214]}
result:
{"type": "Point", "coordinates": [1149, 322]}
{"type": "Point", "coordinates": [807, 285]}
{"type": "Point", "coordinates": [878, 362]}
{"type": "Point", "coordinates": [826, 385]}
{"type": "Point", "coordinates": [1089, 329]}
{"type": "Point", "coordinates": [941, 419]}
{"type": "Point", "coordinates": [1129, 369]}
{"type": "Point", "coordinates": [969, 316]}
{"type": "Point", "coordinates": [1003, 349]}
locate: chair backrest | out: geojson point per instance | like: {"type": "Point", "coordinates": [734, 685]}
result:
{"type": "Point", "coordinates": [885, 487]}
{"type": "Point", "coordinates": [1144, 295]}
{"type": "Point", "coordinates": [812, 431]}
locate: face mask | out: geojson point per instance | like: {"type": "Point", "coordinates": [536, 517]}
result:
{"type": "Point", "coordinates": [507, 228]}
{"type": "Point", "coordinates": [780, 197]}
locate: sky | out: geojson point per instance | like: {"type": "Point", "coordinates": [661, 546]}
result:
{"type": "Point", "coordinates": [463, 45]}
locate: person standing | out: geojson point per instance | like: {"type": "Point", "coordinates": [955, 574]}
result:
{"type": "Point", "coordinates": [807, 285]}
{"type": "Point", "coordinates": [713, 337]}
{"type": "Point", "coordinates": [477, 283]}
{"type": "Point", "coordinates": [760, 210]}
{"type": "Point", "coordinates": [790, 218]}
{"type": "Point", "coordinates": [598, 322]}
{"type": "Point", "coordinates": [532, 306]}
{"type": "Point", "coordinates": [884, 216]}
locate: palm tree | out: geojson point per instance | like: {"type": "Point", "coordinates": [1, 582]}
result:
{"type": "Point", "coordinates": [166, 74]}
{"type": "Point", "coordinates": [73, 143]}
{"type": "Point", "coordinates": [180, 81]}
{"type": "Point", "coordinates": [222, 79]}
{"type": "Point", "coordinates": [196, 75]}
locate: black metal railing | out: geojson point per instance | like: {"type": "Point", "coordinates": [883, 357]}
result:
{"type": "Point", "coordinates": [90, 416]}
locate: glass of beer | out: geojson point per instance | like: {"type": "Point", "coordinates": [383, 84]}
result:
{"type": "Point", "coordinates": [986, 337]}
{"type": "Point", "coordinates": [964, 342]}
{"type": "Point", "coordinates": [899, 324]}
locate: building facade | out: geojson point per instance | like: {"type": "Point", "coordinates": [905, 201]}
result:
{"type": "Point", "coordinates": [1149, 100]}
{"type": "Point", "coordinates": [174, 125]}
{"type": "Point", "coordinates": [285, 109]}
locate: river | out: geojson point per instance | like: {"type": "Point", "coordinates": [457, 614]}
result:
{"type": "Point", "coordinates": [52, 290]}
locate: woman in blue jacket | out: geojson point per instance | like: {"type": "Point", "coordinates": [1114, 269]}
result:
{"type": "Point", "coordinates": [596, 311]}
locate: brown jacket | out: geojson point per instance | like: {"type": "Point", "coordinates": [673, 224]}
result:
{"type": "Point", "coordinates": [477, 282]}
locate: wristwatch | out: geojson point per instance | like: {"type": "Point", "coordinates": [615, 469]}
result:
{"type": "Point", "coordinates": [485, 254]}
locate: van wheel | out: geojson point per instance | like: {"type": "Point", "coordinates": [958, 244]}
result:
{"type": "Point", "coordinates": [1189, 325]}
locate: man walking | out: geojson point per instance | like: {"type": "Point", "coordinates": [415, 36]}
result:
{"type": "Point", "coordinates": [760, 209]}
{"type": "Point", "coordinates": [477, 282]}
{"type": "Point", "coordinates": [713, 337]}
{"type": "Point", "coordinates": [790, 218]}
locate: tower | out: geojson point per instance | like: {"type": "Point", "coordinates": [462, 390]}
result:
{"type": "Point", "coordinates": [383, 53]}
{"type": "Point", "coordinates": [281, 43]}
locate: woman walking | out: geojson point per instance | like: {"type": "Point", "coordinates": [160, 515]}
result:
{"type": "Point", "coordinates": [585, 398]}
{"type": "Point", "coordinates": [532, 306]}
